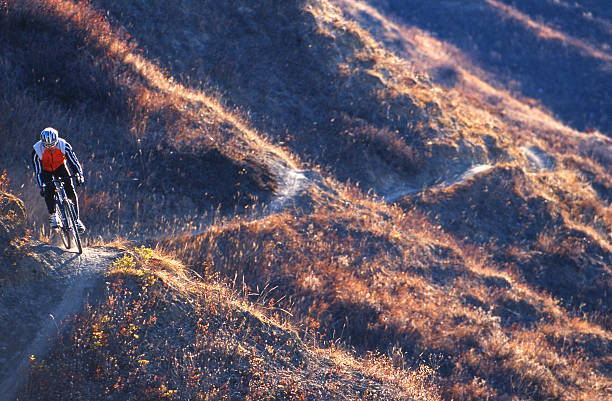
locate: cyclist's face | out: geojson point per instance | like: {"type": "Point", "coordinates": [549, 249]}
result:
{"type": "Point", "coordinates": [49, 146]}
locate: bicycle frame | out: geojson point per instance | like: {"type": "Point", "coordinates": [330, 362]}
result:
{"type": "Point", "coordinates": [67, 222]}
{"type": "Point", "coordinates": [60, 198]}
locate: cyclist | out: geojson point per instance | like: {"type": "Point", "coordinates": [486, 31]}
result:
{"type": "Point", "coordinates": [49, 158]}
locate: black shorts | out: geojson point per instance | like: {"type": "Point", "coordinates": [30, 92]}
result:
{"type": "Point", "coordinates": [47, 178]}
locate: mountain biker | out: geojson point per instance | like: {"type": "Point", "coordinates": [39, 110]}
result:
{"type": "Point", "coordinates": [49, 157]}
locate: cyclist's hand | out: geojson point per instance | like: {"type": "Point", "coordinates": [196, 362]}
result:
{"type": "Point", "coordinates": [42, 191]}
{"type": "Point", "coordinates": [79, 179]}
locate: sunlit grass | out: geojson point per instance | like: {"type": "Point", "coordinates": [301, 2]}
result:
{"type": "Point", "coordinates": [549, 33]}
{"type": "Point", "coordinates": [159, 332]}
{"type": "Point", "coordinates": [376, 277]}
{"type": "Point", "coordinates": [418, 306]}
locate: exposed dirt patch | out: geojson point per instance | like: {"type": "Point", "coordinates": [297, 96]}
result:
{"type": "Point", "coordinates": [48, 288]}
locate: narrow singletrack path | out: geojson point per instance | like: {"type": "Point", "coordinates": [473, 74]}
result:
{"type": "Point", "coordinates": [450, 180]}
{"type": "Point", "coordinates": [77, 276]}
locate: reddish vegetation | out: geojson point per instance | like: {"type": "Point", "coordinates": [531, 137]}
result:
{"type": "Point", "coordinates": [377, 278]}
{"type": "Point", "coordinates": [478, 283]}
{"type": "Point", "coordinates": [155, 334]}
{"type": "Point", "coordinates": [12, 219]}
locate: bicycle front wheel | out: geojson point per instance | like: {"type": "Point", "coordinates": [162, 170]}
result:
{"type": "Point", "coordinates": [73, 227]}
{"type": "Point", "coordinates": [64, 229]}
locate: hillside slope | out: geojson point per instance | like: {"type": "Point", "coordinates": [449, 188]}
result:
{"type": "Point", "coordinates": [42, 291]}
{"type": "Point", "coordinates": [130, 322]}
{"type": "Point", "coordinates": [151, 330]}
{"type": "Point", "coordinates": [556, 53]}
{"type": "Point", "coordinates": [382, 279]}
{"type": "Point", "coordinates": [459, 245]}
{"type": "Point", "coordinates": [318, 86]}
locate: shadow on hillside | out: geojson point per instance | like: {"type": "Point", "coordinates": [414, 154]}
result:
{"type": "Point", "coordinates": [573, 84]}
{"type": "Point", "coordinates": [572, 268]}
{"type": "Point", "coordinates": [167, 191]}
{"type": "Point", "coordinates": [210, 178]}
{"type": "Point", "coordinates": [271, 60]}
{"type": "Point", "coordinates": [359, 324]}
{"type": "Point", "coordinates": [43, 50]}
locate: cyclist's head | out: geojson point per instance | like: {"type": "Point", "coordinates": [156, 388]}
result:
{"type": "Point", "coordinates": [48, 137]}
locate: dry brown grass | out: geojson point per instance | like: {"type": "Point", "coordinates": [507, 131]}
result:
{"type": "Point", "coordinates": [437, 287]}
{"type": "Point", "coordinates": [377, 278]}
{"type": "Point", "coordinates": [13, 233]}
{"type": "Point", "coordinates": [160, 332]}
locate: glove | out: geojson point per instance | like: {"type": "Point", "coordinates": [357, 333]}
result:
{"type": "Point", "coordinates": [79, 179]}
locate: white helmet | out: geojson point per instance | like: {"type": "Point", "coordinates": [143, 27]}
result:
{"type": "Point", "coordinates": [48, 137]}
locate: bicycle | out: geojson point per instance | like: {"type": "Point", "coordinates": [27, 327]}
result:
{"type": "Point", "coordinates": [67, 222]}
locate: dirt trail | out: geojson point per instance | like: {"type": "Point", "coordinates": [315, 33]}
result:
{"type": "Point", "coordinates": [73, 278]}
{"type": "Point", "coordinates": [452, 179]}
{"type": "Point", "coordinates": [293, 182]}
{"type": "Point", "coordinates": [66, 281]}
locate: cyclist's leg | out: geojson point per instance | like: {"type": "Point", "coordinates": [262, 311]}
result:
{"type": "Point", "coordinates": [62, 172]}
{"type": "Point", "coordinates": [47, 179]}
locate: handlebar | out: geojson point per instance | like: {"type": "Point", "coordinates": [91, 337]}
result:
{"type": "Point", "coordinates": [60, 181]}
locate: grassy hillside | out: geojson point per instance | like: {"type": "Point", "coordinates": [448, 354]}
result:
{"type": "Point", "coordinates": [350, 218]}
{"type": "Point", "coordinates": [136, 135]}
{"type": "Point", "coordinates": [449, 52]}
{"type": "Point", "coordinates": [159, 332]}
{"type": "Point", "coordinates": [12, 220]}
{"type": "Point", "coordinates": [383, 280]}
{"type": "Point", "coordinates": [319, 85]}
{"type": "Point", "coordinates": [557, 53]}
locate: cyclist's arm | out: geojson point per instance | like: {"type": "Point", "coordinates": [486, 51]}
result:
{"type": "Point", "coordinates": [37, 167]}
{"type": "Point", "coordinates": [75, 166]}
